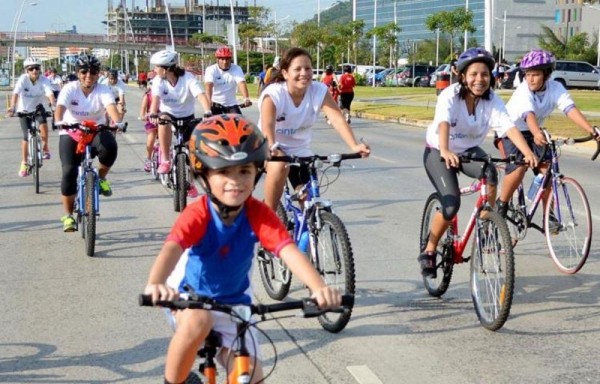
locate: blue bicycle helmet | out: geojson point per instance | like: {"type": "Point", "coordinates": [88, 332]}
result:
{"type": "Point", "coordinates": [475, 55]}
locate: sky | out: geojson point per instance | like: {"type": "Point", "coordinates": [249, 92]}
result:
{"type": "Point", "coordinates": [50, 15]}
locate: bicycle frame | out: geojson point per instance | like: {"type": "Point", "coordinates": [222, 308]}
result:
{"type": "Point", "coordinates": [85, 167]}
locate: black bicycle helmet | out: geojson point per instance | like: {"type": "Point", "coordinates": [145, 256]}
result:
{"type": "Point", "coordinates": [85, 61]}
{"type": "Point", "coordinates": [475, 55]}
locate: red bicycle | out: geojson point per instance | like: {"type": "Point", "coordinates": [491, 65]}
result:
{"type": "Point", "coordinates": [492, 259]}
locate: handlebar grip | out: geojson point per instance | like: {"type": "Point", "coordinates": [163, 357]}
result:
{"type": "Point", "coordinates": [145, 301]}
{"type": "Point", "coordinates": [356, 155]}
{"type": "Point", "coordinates": [347, 300]}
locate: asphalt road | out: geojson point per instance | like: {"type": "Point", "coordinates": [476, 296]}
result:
{"type": "Point", "coordinates": [68, 318]}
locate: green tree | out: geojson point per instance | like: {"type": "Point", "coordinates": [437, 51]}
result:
{"type": "Point", "coordinates": [576, 47]}
{"type": "Point", "coordinates": [387, 35]}
{"type": "Point", "coordinates": [451, 23]}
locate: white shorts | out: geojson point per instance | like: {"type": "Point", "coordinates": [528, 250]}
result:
{"type": "Point", "coordinates": [224, 325]}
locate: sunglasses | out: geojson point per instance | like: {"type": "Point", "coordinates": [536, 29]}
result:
{"type": "Point", "coordinates": [91, 71]}
{"type": "Point", "coordinates": [33, 69]}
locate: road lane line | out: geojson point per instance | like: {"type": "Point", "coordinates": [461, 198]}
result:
{"type": "Point", "coordinates": [363, 375]}
{"type": "Point", "coordinates": [383, 159]}
{"type": "Point", "coordinates": [129, 139]}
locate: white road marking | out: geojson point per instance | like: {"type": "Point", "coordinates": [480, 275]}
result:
{"type": "Point", "coordinates": [383, 159]}
{"type": "Point", "coordinates": [129, 138]}
{"type": "Point", "coordinates": [363, 375]}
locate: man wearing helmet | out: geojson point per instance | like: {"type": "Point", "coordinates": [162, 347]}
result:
{"type": "Point", "coordinates": [31, 89]}
{"type": "Point", "coordinates": [174, 92]}
{"type": "Point", "coordinates": [464, 113]}
{"type": "Point", "coordinates": [218, 233]}
{"type": "Point", "coordinates": [81, 100]}
{"type": "Point", "coordinates": [222, 80]}
{"type": "Point", "coordinates": [531, 103]}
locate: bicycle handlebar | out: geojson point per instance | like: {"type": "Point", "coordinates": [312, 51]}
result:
{"type": "Point", "coordinates": [308, 305]}
{"type": "Point", "coordinates": [89, 128]}
{"type": "Point", "coordinates": [39, 111]}
{"type": "Point", "coordinates": [164, 119]}
{"type": "Point", "coordinates": [573, 140]}
{"type": "Point", "coordinates": [334, 158]}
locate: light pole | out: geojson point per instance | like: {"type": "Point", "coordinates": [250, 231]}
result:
{"type": "Point", "coordinates": [466, 8]}
{"type": "Point", "coordinates": [587, 4]}
{"type": "Point", "coordinates": [276, 32]}
{"type": "Point", "coordinates": [233, 33]}
{"type": "Point", "coordinates": [374, 39]}
{"type": "Point", "coordinates": [14, 47]}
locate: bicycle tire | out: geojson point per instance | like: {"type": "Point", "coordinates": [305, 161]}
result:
{"type": "Point", "coordinates": [569, 245]}
{"type": "Point", "coordinates": [492, 271]}
{"type": "Point", "coordinates": [180, 190]}
{"type": "Point", "coordinates": [274, 274]}
{"type": "Point", "coordinates": [335, 263]}
{"type": "Point", "coordinates": [437, 285]}
{"type": "Point", "coordinates": [154, 160]}
{"type": "Point", "coordinates": [35, 155]}
{"type": "Point", "coordinates": [90, 213]}
{"type": "Point", "coordinates": [81, 214]}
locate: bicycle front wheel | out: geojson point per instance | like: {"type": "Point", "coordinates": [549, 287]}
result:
{"type": "Point", "coordinates": [35, 155]}
{"type": "Point", "coordinates": [90, 213]}
{"type": "Point", "coordinates": [180, 190]}
{"type": "Point", "coordinates": [335, 262]}
{"type": "Point", "coordinates": [436, 285]}
{"type": "Point", "coordinates": [568, 226]}
{"type": "Point", "coordinates": [492, 271]}
{"type": "Point", "coordinates": [275, 275]}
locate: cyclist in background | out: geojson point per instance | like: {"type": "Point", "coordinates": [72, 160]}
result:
{"type": "Point", "coordinates": [218, 233]}
{"type": "Point", "coordinates": [150, 128]}
{"type": "Point", "coordinates": [531, 103]}
{"type": "Point", "coordinates": [222, 80]}
{"type": "Point", "coordinates": [464, 113]}
{"type": "Point", "coordinates": [55, 81]}
{"type": "Point", "coordinates": [81, 100]}
{"type": "Point", "coordinates": [347, 84]}
{"type": "Point", "coordinates": [31, 89]}
{"type": "Point", "coordinates": [289, 107]}
{"type": "Point", "coordinates": [117, 87]}
{"type": "Point", "coordinates": [174, 92]}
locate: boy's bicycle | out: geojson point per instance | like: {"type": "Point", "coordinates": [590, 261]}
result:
{"type": "Point", "coordinates": [35, 156]}
{"type": "Point", "coordinates": [319, 233]}
{"type": "Point", "coordinates": [567, 219]}
{"type": "Point", "coordinates": [492, 260]}
{"type": "Point", "coordinates": [243, 316]}
{"type": "Point", "coordinates": [178, 178]}
{"type": "Point", "coordinates": [87, 200]}
{"type": "Point", "coordinates": [155, 161]}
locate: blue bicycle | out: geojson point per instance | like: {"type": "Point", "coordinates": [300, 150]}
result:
{"type": "Point", "coordinates": [87, 201]}
{"type": "Point", "coordinates": [319, 233]}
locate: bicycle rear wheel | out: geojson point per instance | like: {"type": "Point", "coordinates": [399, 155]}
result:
{"type": "Point", "coordinates": [180, 190]}
{"type": "Point", "coordinates": [437, 285]}
{"type": "Point", "coordinates": [90, 213]}
{"type": "Point", "coordinates": [335, 262]}
{"type": "Point", "coordinates": [155, 161]}
{"type": "Point", "coordinates": [570, 236]}
{"type": "Point", "coordinates": [35, 155]}
{"type": "Point", "coordinates": [492, 271]}
{"type": "Point", "coordinates": [275, 275]}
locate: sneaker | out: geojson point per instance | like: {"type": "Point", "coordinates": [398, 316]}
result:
{"type": "Point", "coordinates": [68, 223]}
{"type": "Point", "coordinates": [147, 165]}
{"type": "Point", "coordinates": [164, 167]}
{"type": "Point", "coordinates": [502, 208]}
{"type": "Point", "coordinates": [105, 189]}
{"type": "Point", "coordinates": [24, 170]}
{"type": "Point", "coordinates": [47, 155]}
{"type": "Point", "coordinates": [192, 191]}
{"type": "Point", "coordinates": [427, 261]}
{"type": "Point", "coordinates": [553, 224]}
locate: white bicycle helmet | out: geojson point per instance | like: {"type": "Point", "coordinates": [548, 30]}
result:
{"type": "Point", "coordinates": [32, 62]}
{"type": "Point", "coordinates": [164, 58]}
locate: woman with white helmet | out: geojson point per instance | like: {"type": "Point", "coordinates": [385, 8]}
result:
{"type": "Point", "coordinates": [174, 92]}
{"type": "Point", "coordinates": [531, 103]}
{"type": "Point", "coordinates": [30, 90]}
{"type": "Point", "coordinates": [464, 113]}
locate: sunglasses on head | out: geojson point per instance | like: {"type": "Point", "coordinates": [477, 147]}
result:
{"type": "Point", "coordinates": [36, 68]}
{"type": "Point", "coordinates": [92, 71]}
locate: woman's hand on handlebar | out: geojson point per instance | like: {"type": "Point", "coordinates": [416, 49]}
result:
{"type": "Point", "coordinates": [530, 159]}
{"type": "Point", "coordinates": [327, 297]}
{"type": "Point", "coordinates": [363, 148]}
{"type": "Point", "coordinates": [161, 292]}
{"type": "Point", "coordinates": [450, 158]}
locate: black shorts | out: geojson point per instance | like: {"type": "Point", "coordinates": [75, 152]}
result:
{"type": "Point", "coordinates": [507, 148]}
{"type": "Point", "coordinates": [299, 175]}
{"type": "Point", "coordinates": [346, 100]}
{"type": "Point", "coordinates": [188, 130]}
{"type": "Point", "coordinates": [26, 121]}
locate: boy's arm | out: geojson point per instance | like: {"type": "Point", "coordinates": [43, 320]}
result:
{"type": "Point", "coordinates": [577, 117]}
{"type": "Point", "coordinates": [327, 297]}
{"type": "Point", "coordinates": [160, 271]}
{"type": "Point", "coordinates": [535, 129]}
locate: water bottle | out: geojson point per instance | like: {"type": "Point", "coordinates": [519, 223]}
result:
{"type": "Point", "coordinates": [535, 185]}
{"type": "Point", "coordinates": [303, 241]}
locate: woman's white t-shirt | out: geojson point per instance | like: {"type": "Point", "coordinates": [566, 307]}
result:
{"type": "Point", "coordinates": [178, 100]}
{"type": "Point", "coordinates": [80, 108]}
{"type": "Point", "coordinates": [224, 83]}
{"type": "Point", "coordinates": [541, 104]}
{"type": "Point", "coordinates": [467, 131]}
{"type": "Point", "coordinates": [30, 95]}
{"type": "Point", "coordinates": [293, 124]}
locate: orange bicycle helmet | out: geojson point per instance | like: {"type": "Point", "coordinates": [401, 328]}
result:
{"type": "Point", "coordinates": [224, 141]}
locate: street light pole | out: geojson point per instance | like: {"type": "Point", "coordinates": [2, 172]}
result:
{"type": "Point", "coordinates": [374, 39]}
{"type": "Point", "coordinates": [318, 33]}
{"type": "Point", "coordinates": [587, 4]}
{"type": "Point", "coordinates": [504, 37]}
{"type": "Point", "coordinates": [14, 47]}
{"type": "Point", "coordinates": [233, 33]}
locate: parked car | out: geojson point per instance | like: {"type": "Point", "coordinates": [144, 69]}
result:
{"type": "Point", "coordinates": [576, 74]}
{"type": "Point", "coordinates": [443, 69]}
{"type": "Point", "coordinates": [420, 78]}
{"type": "Point", "coordinates": [512, 78]}
{"type": "Point", "coordinates": [369, 74]}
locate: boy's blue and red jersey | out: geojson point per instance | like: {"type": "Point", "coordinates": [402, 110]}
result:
{"type": "Point", "coordinates": [220, 256]}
